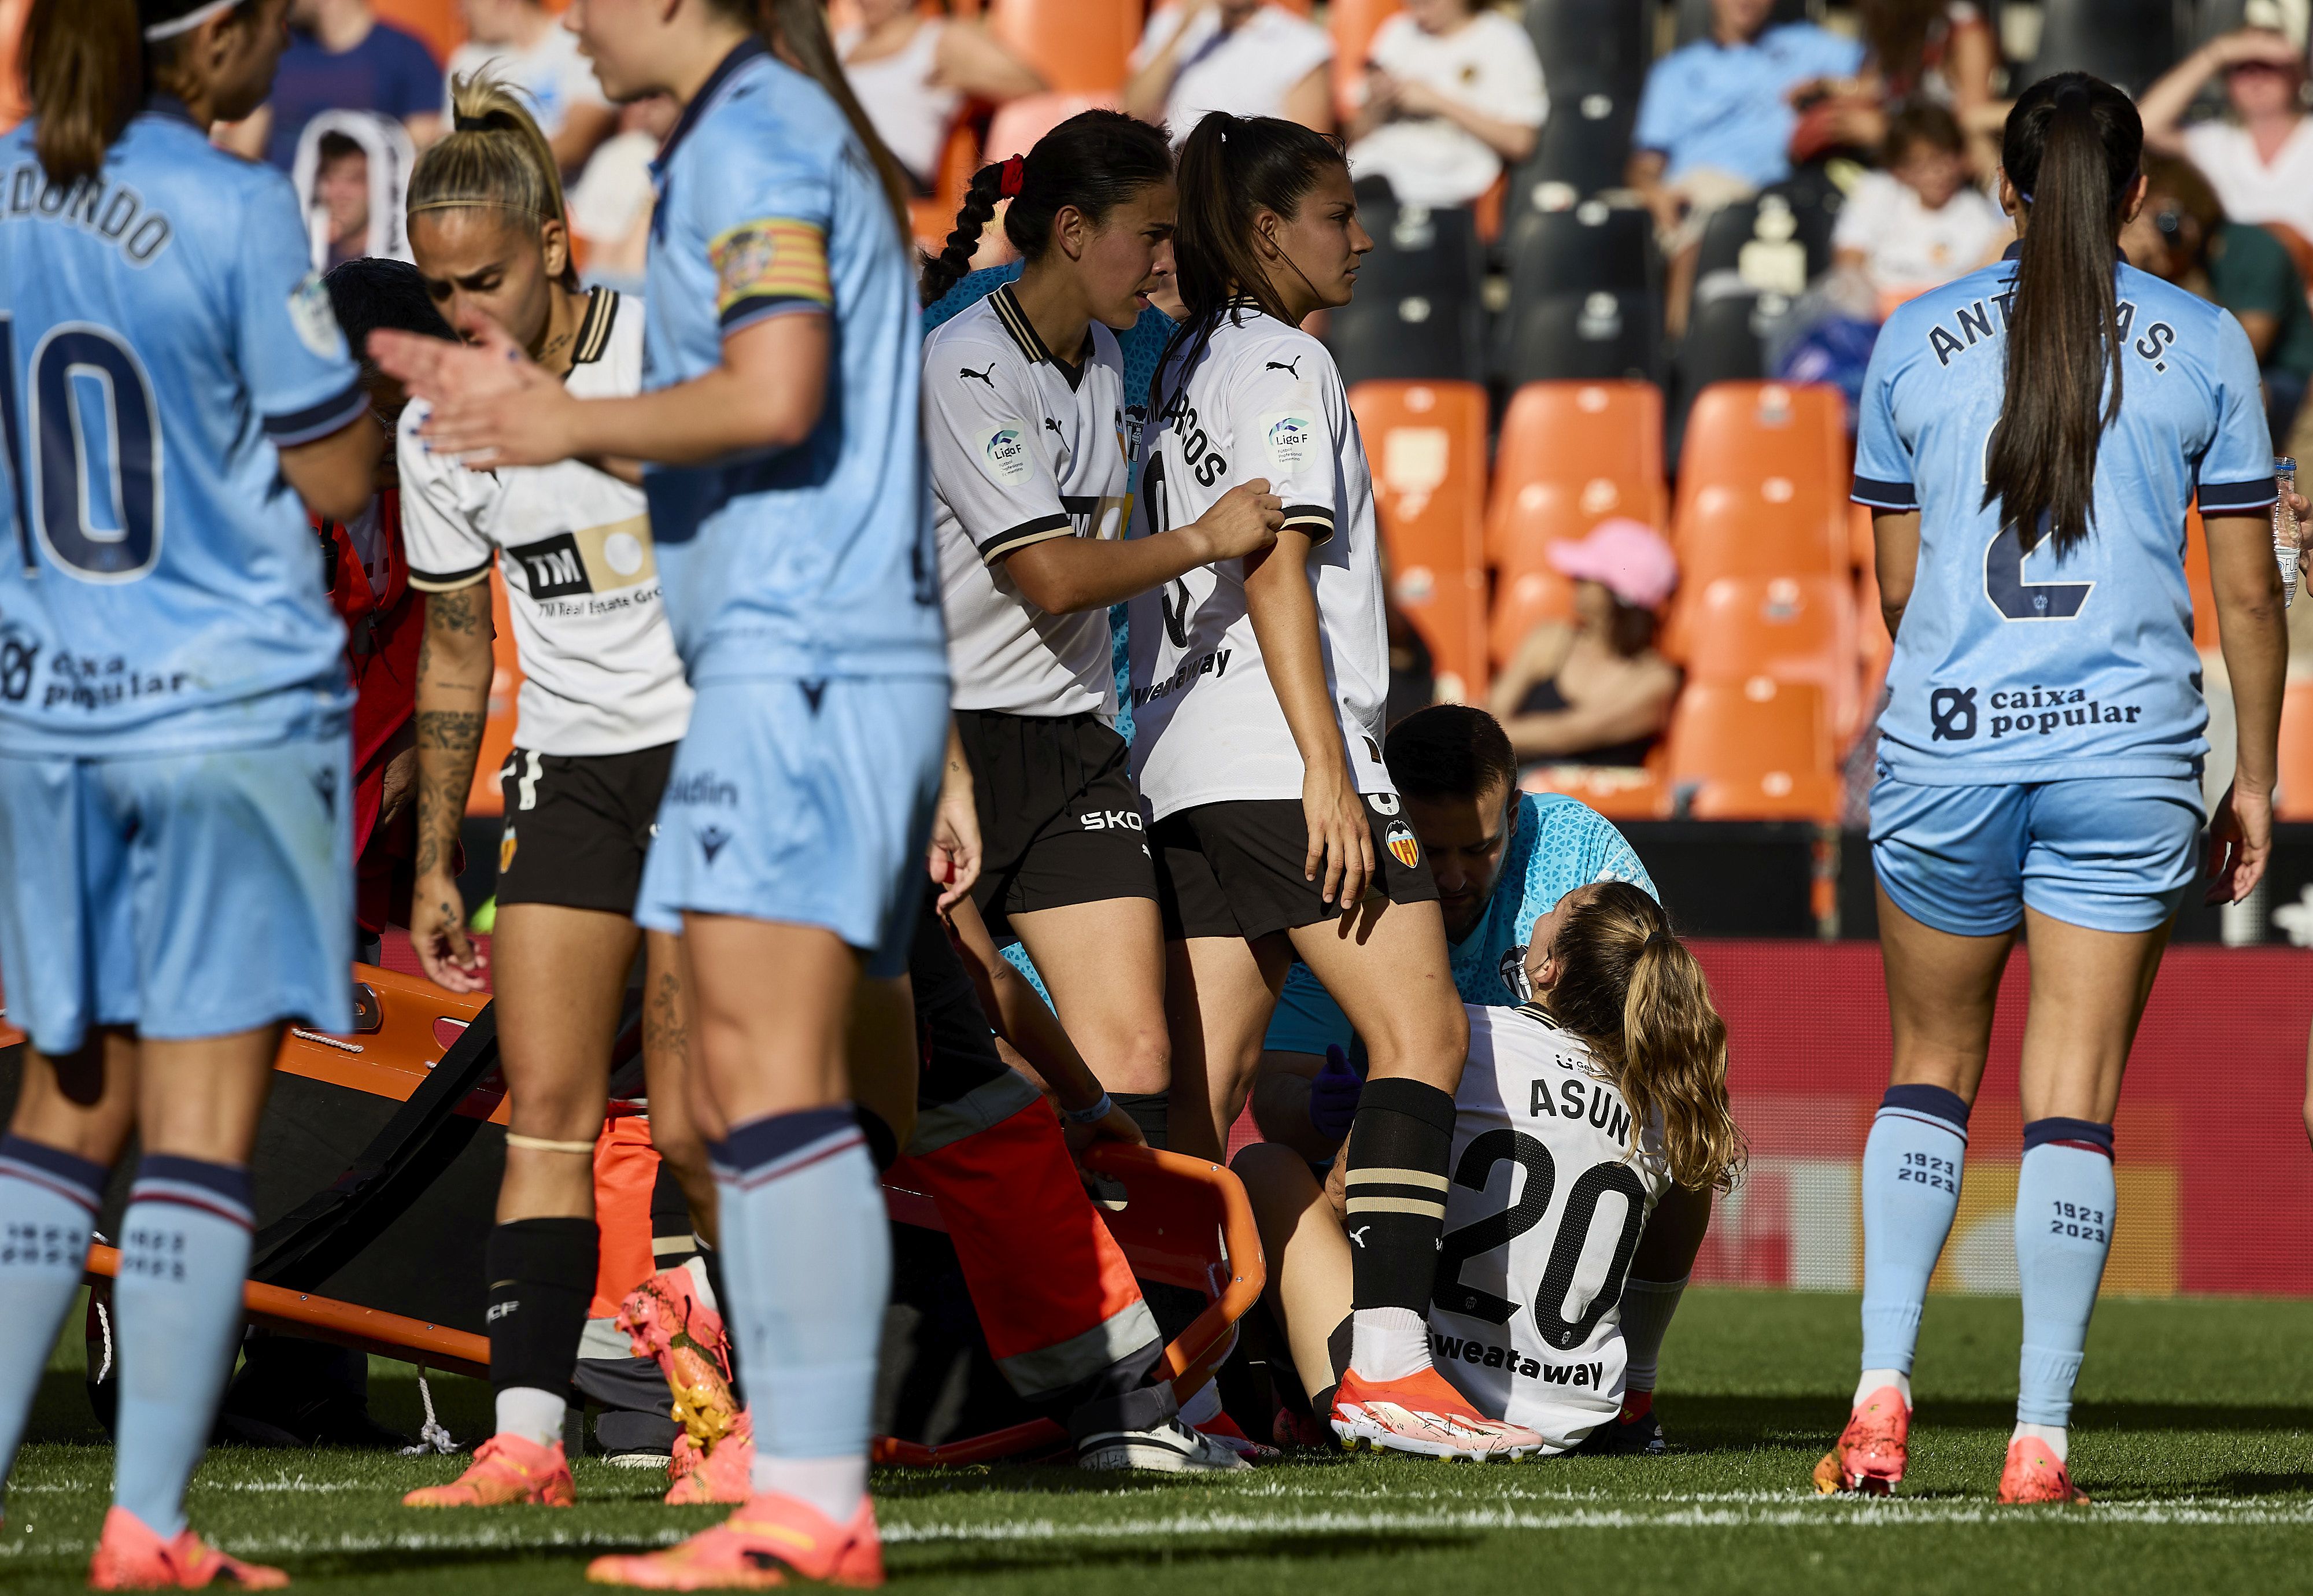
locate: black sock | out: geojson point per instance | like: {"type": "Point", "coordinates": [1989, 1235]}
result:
{"type": "Point", "coordinates": [671, 1242]}
{"type": "Point", "coordinates": [541, 1274]}
{"type": "Point", "coordinates": [1400, 1145]}
{"type": "Point", "coordinates": [1148, 1110]}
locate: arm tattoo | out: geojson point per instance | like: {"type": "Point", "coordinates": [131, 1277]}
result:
{"type": "Point", "coordinates": [463, 610]}
{"type": "Point", "coordinates": [452, 731]}
{"type": "Point", "coordinates": [449, 737]}
{"type": "Point", "coordinates": [662, 1027]}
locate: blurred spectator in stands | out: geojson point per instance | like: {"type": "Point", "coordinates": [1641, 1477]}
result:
{"type": "Point", "coordinates": [1941, 52]}
{"type": "Point", "coordinates": [1595, 692]}
{"type": "Point", "coordinates": [526, 47]}
{"type": "Point", "coordinates": [1242, 57]}
{"type": "Point", "coordinates": [913, 73]}
{"type": "Point", "coordinates": [2259, 159]}
{"type": "Point", "coordinates": [1715, 123]}
{"type": "Point", "coordinates": [341, 57]}
{"type": "Point", "coordinates": [1918, 222]}
{"type": "Point", "coordinates": [2182, 235]}
{"type": "Point", "coordinates": [611, 204]}
{"type": "Point", "coordinates": [341, 195]}
{"type": "Point", "coordinates": [1452, 89]}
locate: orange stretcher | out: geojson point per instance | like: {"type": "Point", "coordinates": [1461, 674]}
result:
{"type": "Point", "coordinates": [1184, 1221]}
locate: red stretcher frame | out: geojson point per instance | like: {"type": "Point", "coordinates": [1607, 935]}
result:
{"type": "Point", "coordinates": [1186, 1222]}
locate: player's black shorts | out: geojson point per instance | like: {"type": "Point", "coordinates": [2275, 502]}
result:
{"type": "Point", "coordinates": [578, 826]}
{"type": "Point", "coordinates": [1235, 870]}
{"type": "Point", "coordinates": [1059, 822]}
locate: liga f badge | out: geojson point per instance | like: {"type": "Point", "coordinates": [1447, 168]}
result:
{"type": "Point", "coordinates": [1401, 843]}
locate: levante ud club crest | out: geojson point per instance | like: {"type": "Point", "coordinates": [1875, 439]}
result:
{"type": "Point", "coordinates": [1403, 844]}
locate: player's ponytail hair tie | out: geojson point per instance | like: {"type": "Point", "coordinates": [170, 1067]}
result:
{"type": "Point", "coordinates": [1008, 184]}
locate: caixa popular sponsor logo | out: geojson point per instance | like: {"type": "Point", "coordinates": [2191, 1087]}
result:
{"type": "Point", "coordinates": [1953, 717]}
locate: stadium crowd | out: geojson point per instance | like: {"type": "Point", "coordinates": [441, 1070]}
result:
{"type": "Point", "coordinates": [1136, 796]}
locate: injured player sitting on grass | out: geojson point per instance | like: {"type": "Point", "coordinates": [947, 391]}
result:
{"type": "Point", "coordinates": [1578, 1111]}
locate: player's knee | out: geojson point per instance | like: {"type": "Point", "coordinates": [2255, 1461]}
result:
{"type": "Point", "coordinates": [1426, 1043]}
{"type": "Point", "coordinates": [1143, 1063]}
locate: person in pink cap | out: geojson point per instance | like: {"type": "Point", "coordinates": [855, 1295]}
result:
{"type": "Point", "coordinates": [1593, 690]}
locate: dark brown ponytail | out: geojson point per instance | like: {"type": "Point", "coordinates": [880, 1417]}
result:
{"type": "Point", "coordinates": [84, 64]}
{"type": "Point", "coordinates": [2071, 152]}
{"type": "Point", "coordinates": [1096, 160]}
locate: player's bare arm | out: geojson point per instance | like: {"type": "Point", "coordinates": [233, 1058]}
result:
{"type": "Point", "coordinates": [453, 691]}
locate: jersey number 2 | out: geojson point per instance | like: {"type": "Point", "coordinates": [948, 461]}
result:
{"type": "Point", "coordinates": [58, 498]}
{"type": "Point", "coordinates": [1495, 1230]}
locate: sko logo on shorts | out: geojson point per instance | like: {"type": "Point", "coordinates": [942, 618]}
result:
{"type": "Point", "coordinates": [1111, 820]}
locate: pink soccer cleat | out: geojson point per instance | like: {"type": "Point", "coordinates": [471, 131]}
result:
{"type": "Point", "coordinates": [2032, 1473]}
{"type": "Point", "coordinates": [667, 1322]}
{"type": "Point", "coordinates": [723, 1475]}
{"type": "Point", "coordinates": [769, 1541]}
{"type": "Point", "coordinates": [506, 1471]}
{"type": "Point", "coordinates": [129, 1556]}
{"type": "Point", "coordinates": [1424, 1414]}
{"type": "Point", "coordinates": [1870, 1452]}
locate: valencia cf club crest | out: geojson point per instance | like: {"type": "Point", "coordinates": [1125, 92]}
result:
{"type": "Point", "coordinates": [1403, 844]}
{"type": "Point", "coordinates": [506, 851]}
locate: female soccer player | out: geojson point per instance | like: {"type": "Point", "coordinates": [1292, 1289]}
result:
{"type": "Point", "coordinates": [788, 511]}
{"type": "Point", "coordinates": [604, 703]}
{"type": "Point", "coordinates": [1029, 478]}
{"type": "Point", "coordinates": [176, 878]}
{"type": "Point", "coordinates": [1601, 1095]}
{"type": "Point", "coordinates": [1257, 689]}
{"type": "Point", "coordinates": [2032, 437]}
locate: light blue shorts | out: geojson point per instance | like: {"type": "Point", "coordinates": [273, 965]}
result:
{"type": "Point", "coordinates": [1307, 1019]}
{"type": "Point", "coordinates": [186, 895]}
{"type": "Point", "coordinates": [805, 803]}
{"type": "Point", "coordinates": [2109, 853]}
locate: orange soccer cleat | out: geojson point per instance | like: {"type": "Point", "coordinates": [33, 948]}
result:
{"type": "Point", "coordinates": [1424, 1414]}
{"type": "Point", "coordinates": [1870, 1452]}
{"type": "Point", "coordinates": [667, 1322]}
{"type": "Point", "coordinates": [506, 1470]}
{"type": "Point", "coordinates": [2033, 1474]}
{"type": "Point", "coordinates": [723, 1475]}
{"type": "Point", "coordinates": [770, 1541]}
{"type": "Point", "coordinates": [129, 1556]}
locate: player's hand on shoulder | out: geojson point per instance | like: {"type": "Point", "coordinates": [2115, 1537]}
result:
{"type": "Point", "coordinates": [438, 934]}
{"type": "Point", "coordinates": [1243, 520]}
{"type": "Point", "coordinates": [492, 405]}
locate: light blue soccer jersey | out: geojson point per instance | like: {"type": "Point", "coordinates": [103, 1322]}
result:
{"type": "Point", "coordinates": [2016, 668]}
{"type": "Point", "coordinates": [1560, 843]}
{"type": "Point", "coordinates": [816, 560]}
{"type": "Point", "coordinates": [161, 336]}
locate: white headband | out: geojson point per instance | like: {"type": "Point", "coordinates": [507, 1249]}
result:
{"type": "Point", "coordinates": [189, 21]}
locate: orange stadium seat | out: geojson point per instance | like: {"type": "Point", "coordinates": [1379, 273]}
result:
{"type": "Point", "coordinates": [1354, 25]}
{"type": "Point", "coordinates": [1764, 481]}
{"type": "Point", "coordinates": [487, 796]}
{"type": "Point", "coordinates": [1079, 46]}
{"type": "Point", "coordinates": [1755, 750]}
{"type": "Point", "coordinates": [1792, 628]}
{"type": "Point", "coordinates": [2294, 798]}
{"type": "Point", "coordinates": [1617, 793]}
{"type": "Point", "coordinates": [1428, 444]}
{"type": "Point", "coordinates": [441, 23]}
{"type": "Point", "coordinates": [1571, 454]}
{"type": "Point", "coordinates": [1014, 128]}
{"type": "Point", "coordinates": [1523, 603]}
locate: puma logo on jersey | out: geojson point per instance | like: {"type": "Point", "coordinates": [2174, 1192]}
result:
{"type": "Point", "coordinates": [1293, 366]}
{"type": "Point", "coordinates": [1053, 427]}
{"type": "Point", "coordinates": [985, 376]}
{"type": "Point", "coordinates": [1359, 1235]}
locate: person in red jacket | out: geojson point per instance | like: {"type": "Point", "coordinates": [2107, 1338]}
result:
{"type": "Point", "coordinates": [368, 579]}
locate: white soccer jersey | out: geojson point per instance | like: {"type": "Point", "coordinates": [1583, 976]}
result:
{"type": "Point", "coordinates": [1263, 401]}
{"type": "Point", "coordinates": [1542, 1218]}
{"type": "Point", "coordinates": [599, 667]}
{"type": "Point", "coordinates": [1023, 447]}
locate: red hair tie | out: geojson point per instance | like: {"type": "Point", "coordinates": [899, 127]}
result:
{"type": "Point", "coordinates": [1008, 184]}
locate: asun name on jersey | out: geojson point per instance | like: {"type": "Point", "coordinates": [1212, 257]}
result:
{"type": "Point", "coordinates": [1263, 401]}
{"type": "Point", "coordinates": [574, 544]}
{"type": "Point", "coordinates": [1023, 447]}
{"type": "Point", "coordinates": [1543, 1214]}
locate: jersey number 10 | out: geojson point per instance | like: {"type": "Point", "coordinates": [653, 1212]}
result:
{"type": "Point", "coordinates": [60, 498]}
{"type": "Point", "coordinates": [1495, 1230]}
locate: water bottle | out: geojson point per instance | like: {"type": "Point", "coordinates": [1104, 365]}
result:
{"type": "Point", "coordinates": [2284, 527]}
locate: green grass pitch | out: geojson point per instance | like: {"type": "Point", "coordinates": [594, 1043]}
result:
{"type": "Point", "coordinates": [2194, 1432]}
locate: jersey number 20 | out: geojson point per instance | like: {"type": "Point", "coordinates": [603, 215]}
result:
{"type": "Point", "coordinates": [59, 496]}
{"type": "Point", "coordinates": [1495, 1230]}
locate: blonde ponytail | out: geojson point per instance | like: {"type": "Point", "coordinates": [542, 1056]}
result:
{"type": "Point", "coordinates": [1632, 989]}
{"type": "Point", "coordinates": [494, 156]}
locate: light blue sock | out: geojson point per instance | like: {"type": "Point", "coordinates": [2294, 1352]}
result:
{"type": "Point", "coordinates": [47, 1200]}
{"type": "Point", "coordinates": [807, 1257]}
{"type": "Point", "coordinates": [184, 1251]}
{"type": "Point", "coordinates": [1911, 1165]}
{"type": "Point", "coordinates": [2064, 1197]}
